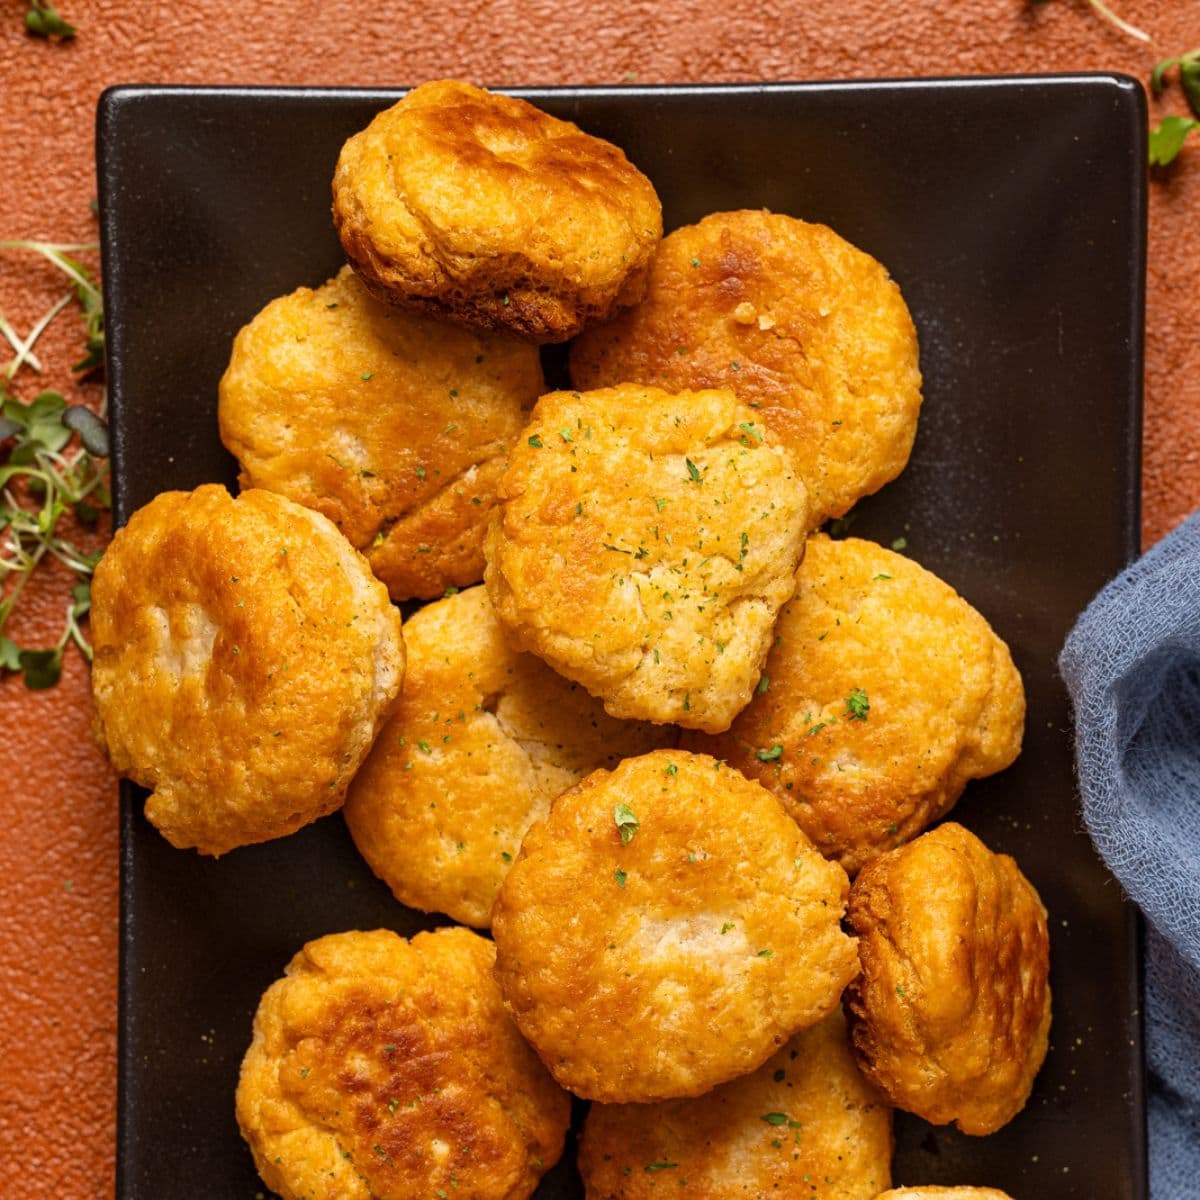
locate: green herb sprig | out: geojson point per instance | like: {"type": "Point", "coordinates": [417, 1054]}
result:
{"type": "Point", "coordinates": [1189, 76]}
{"type": "Point", "coordinates": [44, 478]}
{"type": "Point", "coordinates": [44, 21]}
{"type": "Point", "coordinates": [1168, 136]}
{"type": "Point", "coordinates": [42, 481]}
{"type": "Point", "coordinates": [86, 291]}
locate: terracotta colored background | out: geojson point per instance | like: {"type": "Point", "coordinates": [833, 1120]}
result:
{"type": "Point", "coordinates": [58, 831]}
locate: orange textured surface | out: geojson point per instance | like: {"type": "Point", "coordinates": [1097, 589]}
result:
{"type": "Point", "coordinates": [58, 815]}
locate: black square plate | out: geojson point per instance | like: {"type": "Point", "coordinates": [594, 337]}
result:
{"type": "Point", "coordinates": [1011, 211]}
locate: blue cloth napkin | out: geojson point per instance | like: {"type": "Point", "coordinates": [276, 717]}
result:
{"type": "Point", "coordinates": [1132, 664]}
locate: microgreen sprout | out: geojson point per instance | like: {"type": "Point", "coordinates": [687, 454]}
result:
{"type": "Point", "coordinates": [45, 476]}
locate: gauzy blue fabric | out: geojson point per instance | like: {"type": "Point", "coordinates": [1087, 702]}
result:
{"type": "Point", "coordinates": [1132, 664]}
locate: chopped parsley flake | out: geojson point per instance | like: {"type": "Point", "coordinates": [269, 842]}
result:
{"type": "Point", "coordinates": [536, 442]}
{"type": "Point", "coordinates": [660, 1166]}
{"type": "Point", "coordinates": [764, 682]}
{"type": "Point", "coordinates": [748, 427]}
{"type": "Point", "coordinates": [857, 705]}
{"type": "Point", "coordinates": [626, 822]}
{"type": "Point", "coordinates": [693, 471]}
{"type": "Point", "coordinates": [775, 1118]}
{"type": "Point", "coordinates": [620, 877]}
{"type": "Point", "coordinates": [776, 751]}
{"type": "Point", "coordinates": [765, 954]}
{"type": "Point", "coordinates": [901, 543]}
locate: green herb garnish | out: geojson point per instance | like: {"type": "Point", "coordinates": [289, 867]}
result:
{"type": "Point", "coordinates": [43, 481]}
{"type": "Point", "coordinates": [626, 822]}
{"type": "Point", "coordinates": [857, 705]}
{"type": "Point", "coordinates": [44, 21]}
{"type": "Point", "coordinates": [1167, 138]}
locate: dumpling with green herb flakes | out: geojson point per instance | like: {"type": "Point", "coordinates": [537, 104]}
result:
{"type": "Point", "coordinates": [643, 546]}
{"type": "Point", "coordinates": [884, 694]}
{"type": "Point", "coordinates": [805, 327]}
{"type": "Point", "coordinates": [667, 928]}
{"type": "Point", "coordinates": [484, 738]}
{"type": "Point", "coordinates": [245, 659]}
{"type": "Point", "coordinates": [806, 1114]}
{"type": "Point", "coordinates": [392, 424]}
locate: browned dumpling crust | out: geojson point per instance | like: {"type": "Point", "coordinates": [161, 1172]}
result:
{"type": "Point", "coordinates": [934, 1193]}
{"type": "Point", "coordinates": [644, 544]}
{"type": "Point", "coordinates": [884, 693]}
{"type": "Point", "coordinates": [666, 929]}
{"type": "Point", "coordinates": [806, 1117]}
{"type": "Point", "coordinates": [951, 1015]}
{"type": "Point", "coordinates": [484, 738]}
{"type": "Point", "coordinates": [482, 208]}
{"type": "Point", "coordinates": [245, 658]}
{"type": "Point", "coordinates": [797, 322]}
{"type": "Point", "coordinates": [383, 1069]}
{"type": "Point", "coordinates": [392, 424]}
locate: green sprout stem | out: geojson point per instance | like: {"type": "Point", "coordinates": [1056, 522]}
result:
{"type": "Point", "coordinates": [24, 347]}
{"type": "Point", "coordinates": [1113, 19]}
{"type": "Point", "coordinates": [14, 340]}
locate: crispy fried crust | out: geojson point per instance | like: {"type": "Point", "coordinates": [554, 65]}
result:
{"type": "Point", "coordinates": [393, 425]}
{"type": "Point", "coordinates": [484, 738]}
{"type": "Point", "coordinates": [245, 658]}
{"type": "Point", "coordinates": [805, 1115]}
{"type": "Point", "coordinates": [482, 208]}
{"type": "Point", "coordinates": [383, 1069]}
{"type": "Point", "coordinates": [932, 1193]}
{"type": "Point", "coordinates": [687, 955]}
{"type": "Point", "coordinates": [951, 1015]}
{"type": "Point", "coordinates": [791, 317]}
{"type": "Point", "coordinates": [643, 546]}
{"type": "Point", "coordinates": [946, 704]}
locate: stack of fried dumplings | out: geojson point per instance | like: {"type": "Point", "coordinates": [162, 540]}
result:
{"type": "Point", "coordinates": [676, 748]}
